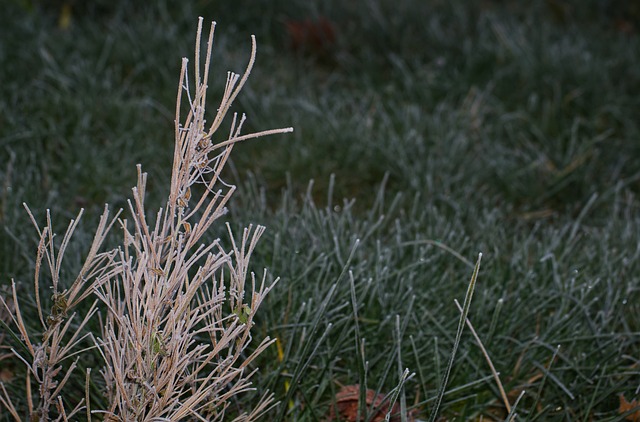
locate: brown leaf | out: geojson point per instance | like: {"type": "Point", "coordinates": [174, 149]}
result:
{"type": "Point", "coordinates": [6, 375]}
{"type": "Point", "coordinates": [308, 36]}
{"type": "Point", "coordinates": [626, 406]}
{"type": "Point", "coordinates": [347, 406]}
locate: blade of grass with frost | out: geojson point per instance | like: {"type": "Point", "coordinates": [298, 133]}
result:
{"type": "Point", "coordinates": [299, 369]}
{"type": "Point", "coordinates": [403, 375]}
{"type": "Point", "coordinates": [390, 360]}
{"type": "Point", "coordinates": [512, 415]}
{"type": "Point", "coordinates": [494, 320]}
{"type": "Point", "coordinates": [306, 355]}
{"type": "Point", "coordinates": [423, 382]}
{"type": "Point", "coordinates": [396, 393]}
{"type": "Point", "coordinates": [360, 358]}
{"type": "Point", "coordinates": [383, 378]}
{"type": "Point", "coordinates": [461, 324]}
{"type": "Point", "coordinates": [436, 360]}
{"type": "Point", "coordinates": [454, 390]}
{"type": "Point", "coordinates": [546, 372]}
{"type": "Point", "coordinates": [310, 405]}
{"type": "Point", "coordinates": [596, 393]}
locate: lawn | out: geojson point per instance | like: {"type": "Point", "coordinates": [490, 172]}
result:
{"type": "Point", "coordinates": [425, 133]}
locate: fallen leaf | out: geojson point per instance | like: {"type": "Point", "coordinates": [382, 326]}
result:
{"type": "Point", "coordinates": [347, 406]}
{"type": "Point", "coordinates": [314, 37]}
{"type": "Point", "coordinates": [626, 406]}
{"type": "Point", "coordinates": [6, 375]}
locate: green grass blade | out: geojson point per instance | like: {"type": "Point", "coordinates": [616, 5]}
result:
{"type": "Point", "coordinates": [512, 415]}
{"type": "Point", "coordinates": [307, 354]}
{"type": "Point", "coordinates": [15, 337]}
{"type": "Point", "coordinates": [461, 324]}
{"type": "Point", "coordinates": [360, 358]}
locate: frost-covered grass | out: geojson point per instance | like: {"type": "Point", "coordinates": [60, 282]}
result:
{"type": "Point", "coordinates": [451, 130]}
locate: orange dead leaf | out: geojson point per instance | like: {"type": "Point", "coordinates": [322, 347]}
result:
{"type": "Point", "coordinates": [626, 406]}
{"type": "Point", "coordinates": [6, 375]}
{"type": "Point", "coordinates": [347, 406]}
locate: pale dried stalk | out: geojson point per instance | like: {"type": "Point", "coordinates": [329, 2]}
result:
{"type": "Point", "coordinates": [174, 341]}
{"type": "Point", "coordinates": [179, 323]}
{"type": "Point", "coordinates": [5, 399]}
{"type": "Point", "coordinates": [44, 358]}
{"type": "Point", "coordinates": [496, 375]}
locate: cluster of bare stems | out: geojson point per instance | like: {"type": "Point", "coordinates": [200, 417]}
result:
{"type": "Point", "coordinates": [176, 314]}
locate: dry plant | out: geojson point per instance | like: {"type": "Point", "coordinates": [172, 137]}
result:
{"type": "Point", "coordinates": [179, 312]}
{"type": "Point", "coordinates": [61, 335]}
